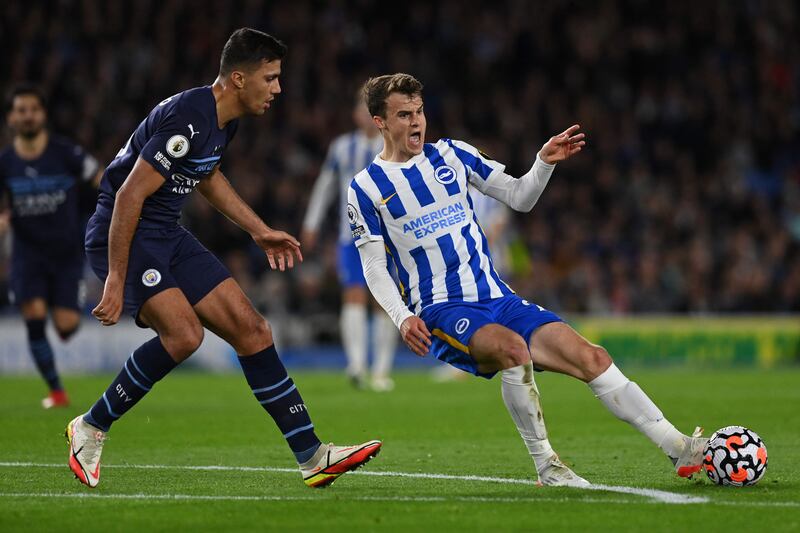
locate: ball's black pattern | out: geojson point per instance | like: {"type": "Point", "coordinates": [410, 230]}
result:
{"type": "Point", "coordinates": [735, 456]}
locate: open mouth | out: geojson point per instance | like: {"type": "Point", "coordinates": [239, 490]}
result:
{"type": "Point", "coordinates": [415, 139]}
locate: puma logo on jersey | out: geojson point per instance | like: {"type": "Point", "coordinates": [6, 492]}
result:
{"type": "Point", "coordinates": [192, 133]}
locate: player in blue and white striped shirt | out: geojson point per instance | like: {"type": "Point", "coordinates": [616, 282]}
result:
{"type": "Point", "coordinates": [413, 201]}
{"type": "Point", "coordinates": [348, 154]}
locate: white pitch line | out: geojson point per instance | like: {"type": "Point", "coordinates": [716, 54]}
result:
{"type": "Point", "coordinates": [217, 497]}
{"type": "Point", "coordinates": [387, 499]}
{"type": "Point", "coordinates": [656, 496]}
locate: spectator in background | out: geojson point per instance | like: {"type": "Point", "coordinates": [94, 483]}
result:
{"type": "Point", "coordinates": [692, 108]}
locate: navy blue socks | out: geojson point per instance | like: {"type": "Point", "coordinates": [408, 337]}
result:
{"type": "Point", "coordinates": [147, 365]}
{"type": "Point", "coordinates": [277, 393]}
{"type": "Point", "coordinates": [43, 353]}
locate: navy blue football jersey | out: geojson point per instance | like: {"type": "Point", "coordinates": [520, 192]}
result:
{"type": "Point", "coordinates": [44, 196]}
{"type": "Point", "coordinates": [181, 140]}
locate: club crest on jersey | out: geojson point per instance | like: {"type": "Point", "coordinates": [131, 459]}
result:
{"type": "Point", "coordinates": [461, 325]}
{"type": "Point", "coordinates": [352, 214]}
{"type": "Point", "coordinates": [445, 174]}
{"type": "Point", "coordinates": [178, 146]}
{"type": "Point", "coordinates": [151, 277]}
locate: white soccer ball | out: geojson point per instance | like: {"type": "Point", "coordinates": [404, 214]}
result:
{"type": "Point", "coordinates": [735, 456]}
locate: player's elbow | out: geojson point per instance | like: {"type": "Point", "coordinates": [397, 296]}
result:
{"type": "Point", "coordinates": [523, 205]}
{"type": "Point", "coordinates": [129, 196]}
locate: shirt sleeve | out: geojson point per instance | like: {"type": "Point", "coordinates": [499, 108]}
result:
{"type": "Point", "coordinates": [381, 284]}
{"type": "Point", "coordinates": [170, 142]}
{"type": "Point", "coordinates": [362, 215]}
{"type": "Point", "coordinates": [489, 177]}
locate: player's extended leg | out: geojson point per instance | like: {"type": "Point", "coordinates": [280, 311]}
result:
{"type": "Point", "coordinates": [521, 397]}
{"type": "Point", "coordinates": [179, 335]}
{"type": "Point", "coordinates": [228, 312]}
{"type": "Point", "coordinates": [34, 312]}
{"type": "Point", "coordinates": [353, 330]}
{"type": "Point", "coordinates": [384, 343]}
{"type": "Point", "coordinates": [559, 348]}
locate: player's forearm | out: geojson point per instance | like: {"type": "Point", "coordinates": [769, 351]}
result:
{"type": "Point", "coordinates": [124, 220]}
{"type": "Point", "coordinates": [380, 283]}
{"type": "Point", "coordinates": [220, 194]}
{"type": "Point", "coordinates": [523, 193]}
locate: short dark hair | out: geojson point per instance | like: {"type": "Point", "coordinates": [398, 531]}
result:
{"type": "Point", "coordinates": [377, 90]}
{"type": "Point", "coordinates": [247, 47]}
{"type": "Point", "coordinates": [25, 89]}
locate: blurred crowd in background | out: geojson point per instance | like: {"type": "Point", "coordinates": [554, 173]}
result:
{"type": "Point", "coordinates": [687, 198]}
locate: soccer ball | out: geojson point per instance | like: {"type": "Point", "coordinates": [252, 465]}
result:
{"type": "Point", "coordinates": [735, 456]}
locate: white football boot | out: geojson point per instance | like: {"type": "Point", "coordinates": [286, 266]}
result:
{"type": "Point", "coordinates": [557, 474]}
{"type": "Point", "coordinates": [690, 460]}
{"type": "Point", "coordinates": [330, 462]}
{"type": "Point", "coordinates": [85, 446]}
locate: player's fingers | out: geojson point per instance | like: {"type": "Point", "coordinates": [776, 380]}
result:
{"type": "Point", "coordinates": [572, 129]}
{"type": "Point", "coordinates": [411, 345]}
{"type": "Point", "coordinates": [299, 254]}
{"type": "Point", "coordinates": [423, 338]}
{"type": "Point", "coordinates": [421, 350]}
{"type": "Point", "coordinates": [271, 260]}
{"type": "Point", "coordinates": [413, 342]}
{"type": "Point", "coordinates": [289, 259]}
{"type": "Point", "coordinates": [424, 329]}
{"type": "Point", "coordinates": [421, 335]}
{"type": "Point", "coordinates": [281, 261]}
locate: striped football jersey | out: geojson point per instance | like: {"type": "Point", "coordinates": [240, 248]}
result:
{"type": "Point", "coordinates": [422, 210]}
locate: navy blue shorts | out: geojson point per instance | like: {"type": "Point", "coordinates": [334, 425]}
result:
{"type": "Point", "coordinates": [453, 324]}
{"type": "Point", "coordinates": [159, 259]}
{"type": "Point", "coordinates": [57, 280]}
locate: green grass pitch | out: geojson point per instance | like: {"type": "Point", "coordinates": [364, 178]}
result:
{"type": "Point", "coordinates": [458, 429]}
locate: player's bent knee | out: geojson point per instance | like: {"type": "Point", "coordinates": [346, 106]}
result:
{"type": "Point", "coordinates": [262, 332]}
{"type": "Point", "coordinates": [596, 360]}
{"type": "Point", "coordinates": [254, 335]}
{"type": "Point", "coordinates": [516, 353]}
{"type": "Point", "coordinates": [181, 345]}
{"type": "Point", "coordinates": [67, 333]}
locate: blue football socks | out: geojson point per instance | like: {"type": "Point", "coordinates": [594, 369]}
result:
{"type": "Point", "coordinates": [43, 353]}
{"type": "Point", "coordinates": [147, 365]}
{"type": "Point", "coordinates": [277, 393]}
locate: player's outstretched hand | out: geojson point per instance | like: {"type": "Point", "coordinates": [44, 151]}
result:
{"type": "Point", "coordinates": [416, 335]}
{"type": "Point", "coordinates": [563, 146]}
{"type": "Point", "coordinates": [110, 306]}
{"type": "Point", "coordinates": [280, 247]}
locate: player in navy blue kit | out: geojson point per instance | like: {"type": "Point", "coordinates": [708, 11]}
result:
{"type": "Point", "coordinates": [158, 272]}
{"type": "Point", "coordinates": [42, 177]}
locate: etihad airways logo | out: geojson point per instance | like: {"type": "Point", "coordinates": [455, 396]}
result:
{"type": "Point", "coordinates": [437, 219]}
